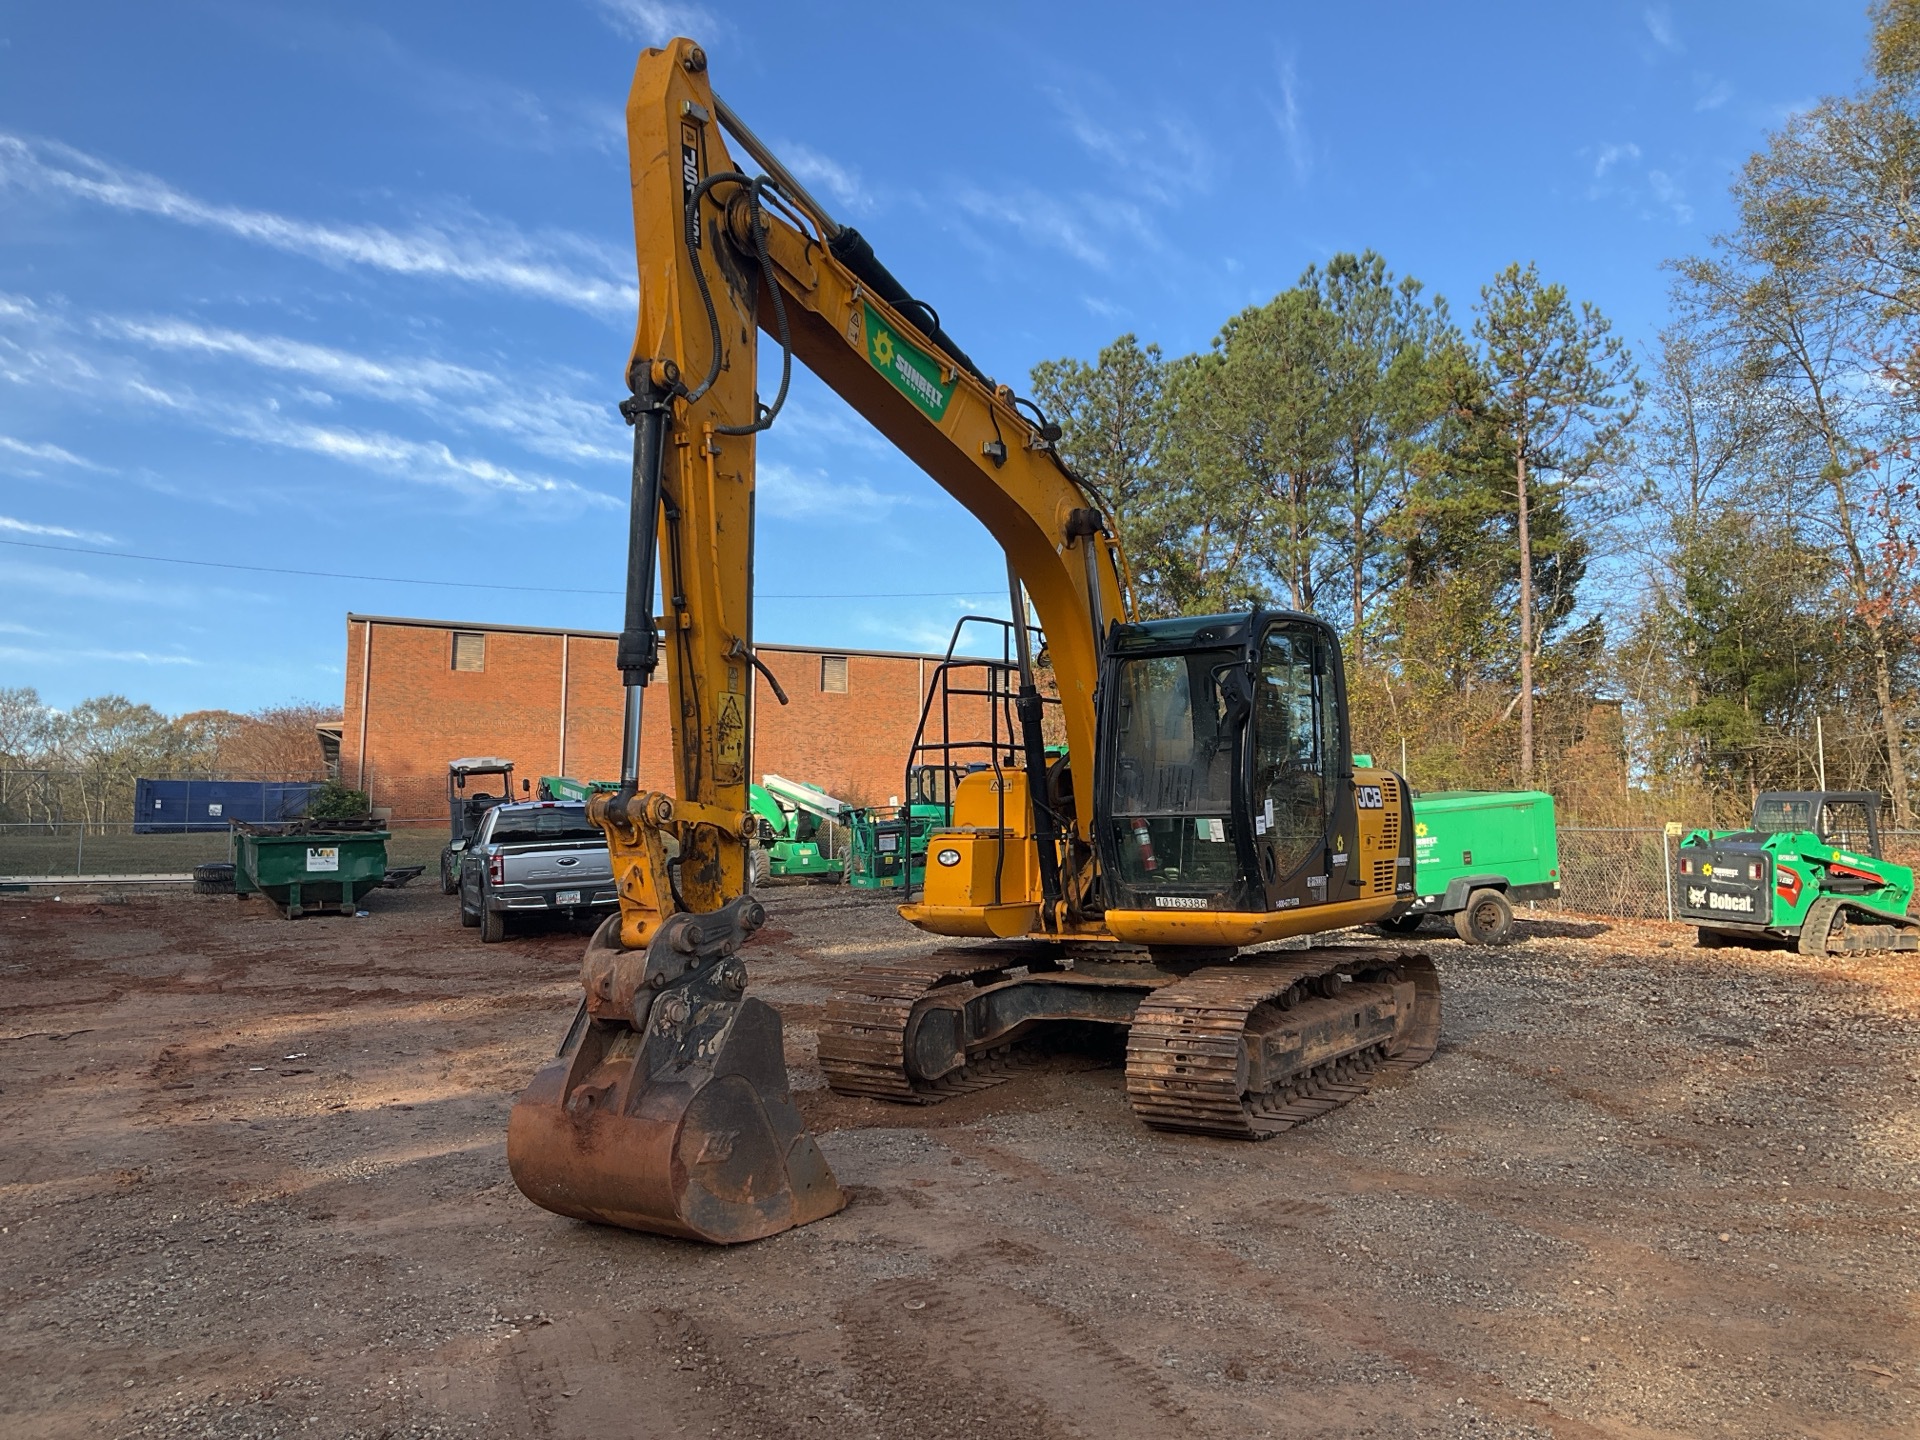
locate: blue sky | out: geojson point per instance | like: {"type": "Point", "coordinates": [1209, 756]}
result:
{"type": "Point", "coordinates": [347, 288]}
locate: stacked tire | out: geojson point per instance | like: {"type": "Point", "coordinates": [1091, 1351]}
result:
{"type": "Point", "coordinates": [213, 878]}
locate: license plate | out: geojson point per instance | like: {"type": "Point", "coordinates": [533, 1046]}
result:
{"type": "Point", "coordinates": [567, 897]}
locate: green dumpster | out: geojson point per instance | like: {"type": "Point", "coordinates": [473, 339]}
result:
{"type": "Point", "coordinates": [304, 865]}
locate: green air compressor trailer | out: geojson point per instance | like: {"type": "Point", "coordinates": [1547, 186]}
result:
{"type": "Point", "coordinates": [1476, 852]}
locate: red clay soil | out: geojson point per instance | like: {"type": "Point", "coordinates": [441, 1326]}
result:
{"type": "Point", "coordinates": [252, 1182]}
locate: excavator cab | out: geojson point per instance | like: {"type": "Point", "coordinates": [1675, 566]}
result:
{"type": "Point", "coordinates": [1225, 768]}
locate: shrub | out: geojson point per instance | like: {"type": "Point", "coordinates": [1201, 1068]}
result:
{"type": "Point", "coordinates": [334, 801]}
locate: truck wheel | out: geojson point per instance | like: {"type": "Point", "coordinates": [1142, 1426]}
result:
{"type": "Point", "coordinates": [468, 917]}
{"type": "Point", "coordinates": [1401, 924]}
{"type": "Point", "coordinates": [1487, 920]}
{"type": "Point", "coordinates": [449, 872]}
{"type": "Point", "coordinates": [493, 926]}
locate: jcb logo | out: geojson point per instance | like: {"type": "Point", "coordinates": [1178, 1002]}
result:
{"type": "Point", "coordinates": [1368, 797]}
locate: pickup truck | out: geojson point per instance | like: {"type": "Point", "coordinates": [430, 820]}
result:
{"type": "Point", "coordinates": [540, 855]}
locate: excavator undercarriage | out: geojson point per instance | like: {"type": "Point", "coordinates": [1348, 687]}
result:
{"type": "Point", "coordinates": [1244, 1050]}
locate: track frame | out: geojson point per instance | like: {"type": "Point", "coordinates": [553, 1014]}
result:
{"type": "Point", "coordinates": [1243, 1050]}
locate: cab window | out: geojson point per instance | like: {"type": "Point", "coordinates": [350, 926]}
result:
{"type": "Point", "coordinates": [1296, 737]}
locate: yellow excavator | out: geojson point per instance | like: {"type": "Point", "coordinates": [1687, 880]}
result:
{"type": "Point", "coordinates": [1206, 799]}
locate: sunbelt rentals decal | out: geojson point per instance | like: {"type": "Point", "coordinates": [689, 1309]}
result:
{"type": "Point", "coordinates": [914, 373]}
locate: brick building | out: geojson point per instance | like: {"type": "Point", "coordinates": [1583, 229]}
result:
{"type": "Point", "coordinates": [550, 701]}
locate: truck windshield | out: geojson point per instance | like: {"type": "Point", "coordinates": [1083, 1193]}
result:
{"type": "Point", "coordinates": [549, 825]}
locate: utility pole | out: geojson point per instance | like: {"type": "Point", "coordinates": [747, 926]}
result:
{"type": "Point", "coordinates": [1526, 616]}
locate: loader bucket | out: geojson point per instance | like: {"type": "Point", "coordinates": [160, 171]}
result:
{"type": "Point", "coordinates": [667, 1109]}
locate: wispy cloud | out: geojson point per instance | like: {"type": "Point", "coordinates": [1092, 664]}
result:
{"type": "Point", "coordinates": [66, 583]}
{"type": "Point", "coordinates": [1105, 309]}
{"type": "Point", "coordinates": [415, 381]}
{"type": "Point", "coordinates": [1618, 176]}
{"type": "Point", "coordinates": [60, 654]}
{"type": "Point", "coordinates": [46, 451]}
{"type": "Point", "coordinates": [473, 250]}
{"type": "Point", "coordinates": [820, 422]}
{"type": "Point", "coordinates": [658, 21]}
{"type": "Point", "coordinates": [427, 462]}
{"type": "Point", "coordinates": [792, 494]}
{"type": "Point", "coordinates": [541, 415]}
{"type": "Point", "coordinates": [538, 414]}
{"type": "Point", "coordinates": [53, 532]}
{"type": "Point", "coordinates": [1041, 217]}
{"type": "Point", "coordinates": [842, 183]}
{"type": "Point", "coordinates": [1163, 164]}
{"type": "Point", "coordinates": [926, 625]}
{"type": "Point", "coordinates": [1669, 193]}
{"type": "Point", "coordinates": [1659, 22]}
{"type": "Point", "coordinates": [1716, 95]}
{"type": "Point", "coordinates": [500, 112]}
{"type": "Point", "coordinates": [1612, 155]}
{"type": "Point", "coordinates": [1291, 120]}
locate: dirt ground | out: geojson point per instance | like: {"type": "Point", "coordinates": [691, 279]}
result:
{"type": "Point", "coordinates": [252, 1182]}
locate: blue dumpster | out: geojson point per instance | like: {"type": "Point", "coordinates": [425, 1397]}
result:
{"type": "Point", "coordinates": [167, 807]}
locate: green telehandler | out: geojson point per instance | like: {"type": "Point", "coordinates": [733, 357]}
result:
{"type": "Point", "coordinates": [790, 814]}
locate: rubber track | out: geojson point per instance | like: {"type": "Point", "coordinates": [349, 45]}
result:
{"type": "Point", "coordinates": [1878, 933]}
{"type": "Point", "coordinates": [1183, 1051]}
{"type": "Point", "coordinates": [863, 1035]}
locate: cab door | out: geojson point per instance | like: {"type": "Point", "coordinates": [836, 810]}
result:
{"type": "Point", "coordinates": [1302, 811]}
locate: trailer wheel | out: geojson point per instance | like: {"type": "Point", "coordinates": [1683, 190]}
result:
{"type": "Point", "coordinates": [1487, 920]}
{"type": "Point", "coordinates": [493, 926]}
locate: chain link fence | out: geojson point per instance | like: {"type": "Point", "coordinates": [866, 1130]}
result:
{"type": "Point", "coordinates": [1603, 871]}
{"type": "Point", "coordinates": [65, 850]}
{"type": "Point", "coordinates": [1626, 872]}
{"type": "Point", "coordinates": [1615, 872]}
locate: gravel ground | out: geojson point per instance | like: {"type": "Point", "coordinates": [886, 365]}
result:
{"type": "Point", "coordinates": [252, 1182]}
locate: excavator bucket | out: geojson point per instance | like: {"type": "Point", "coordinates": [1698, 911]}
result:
{"type": "Point", "coordinates": [667, 1108]}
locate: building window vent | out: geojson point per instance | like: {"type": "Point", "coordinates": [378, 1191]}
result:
{"type": "Point", "coordinates": [469, 650]}
{"type": "Point", "coordinates": [833, 674]}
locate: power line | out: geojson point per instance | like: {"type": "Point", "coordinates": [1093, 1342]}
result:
{"type": "Point", "coordinates": [455, 584]}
